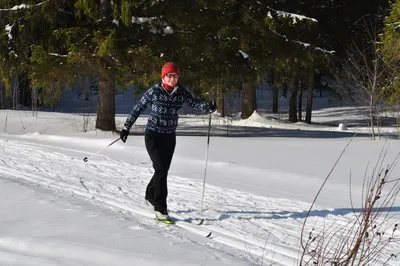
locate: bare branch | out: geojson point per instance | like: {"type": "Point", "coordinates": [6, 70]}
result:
{"type": "Point", "coordinates": [366, 239]}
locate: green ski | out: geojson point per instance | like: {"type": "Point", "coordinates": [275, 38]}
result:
{"type": "Point", "coordinates": [166, 221]}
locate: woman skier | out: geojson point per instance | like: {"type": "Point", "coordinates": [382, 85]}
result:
{"type": "Point", "coordinates": [165, 100]}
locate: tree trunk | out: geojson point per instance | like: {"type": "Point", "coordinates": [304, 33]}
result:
{"type": "Point", "coordinates": [105, 8]}
{"type": "Point", "coordinates": [300, 100]}
{"type": "Point", "coordinates": [292, 103]}
{"type": "Point", "coordinates": [310, 95]}
{"type": "Point", "coordinates": [275, 95]}
{"type": "Point", "coordinates": [5, 96]}
{"type": "Point", "coordinates": [15, 95]}
{"type": "Point", "coordinates": [248, 99]}
{"type": "Point", "coordinates": [106, 103]}
{"type": "Point", "coordinates": [2, 95]}
{"type": "Point", "coordinates": [371, 115]}
{"type": "Point", "coordinates": [34, 98]}
{"type": "Point", "coordinates": [221, 105]}
{"type": "Point", "coordinates": [106, 90]}
{"type": "Point", "coordinates": [24, 90]}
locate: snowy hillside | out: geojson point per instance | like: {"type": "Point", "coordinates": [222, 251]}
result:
{"type": "Point", "coordinates": [263, 175]}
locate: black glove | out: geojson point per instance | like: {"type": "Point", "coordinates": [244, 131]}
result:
{"type": "Point", "coordinates": [212, 106]}
{"type": "Point", "coordinates": [124, 134]}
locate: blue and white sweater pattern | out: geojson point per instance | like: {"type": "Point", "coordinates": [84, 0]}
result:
{"type": "Point", "coordinates": [165, 106]}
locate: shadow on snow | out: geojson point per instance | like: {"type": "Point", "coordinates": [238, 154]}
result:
{"type": "Point", "coordinates": [303, 214]}
{"type": "Point", "coordinates": [242, 131]}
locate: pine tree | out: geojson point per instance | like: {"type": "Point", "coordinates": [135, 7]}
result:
{"type": "Point", "coordinates": [235, 44]}
{"type": "Point", "coordinates": [296, 47]}
{"type": "Point", "coordinates": [221, 46]}
{"type": "Point", "coordinates": [100, 39]}
{"type": "Point", "coordinates": [390, 49]}
{"type": "Point", "coordinates": [17, 33]}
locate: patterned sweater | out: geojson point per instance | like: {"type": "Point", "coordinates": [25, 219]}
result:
{"type": "Point", "coordinates": [164, 108]}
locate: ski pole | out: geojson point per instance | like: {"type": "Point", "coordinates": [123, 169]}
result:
{"type": "Point", "coordinates": [86, 158]}
{"type": "Point", "coordinates": [205, 170]}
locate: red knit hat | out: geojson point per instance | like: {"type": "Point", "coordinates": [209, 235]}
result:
{"type": "Point", "coordinates": [169, 67]}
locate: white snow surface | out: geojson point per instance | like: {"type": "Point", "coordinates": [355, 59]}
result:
{"type": "Point", "coordinates": [262, 176]}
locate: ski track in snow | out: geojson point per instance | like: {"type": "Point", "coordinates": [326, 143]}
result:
{"type": "Point", "coordinates": [265, 228]}
{"type": "Point", "coordinates": [20, 250]}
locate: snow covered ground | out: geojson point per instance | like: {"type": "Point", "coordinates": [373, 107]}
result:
{"type": "Point", "coordinates": [56, 209]}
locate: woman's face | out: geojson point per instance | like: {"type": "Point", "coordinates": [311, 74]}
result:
{"type": "Point", "coordinates": [171, 79]}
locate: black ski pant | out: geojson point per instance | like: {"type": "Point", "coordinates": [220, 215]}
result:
{"type": "Point", "coordinates": [160, 148]}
